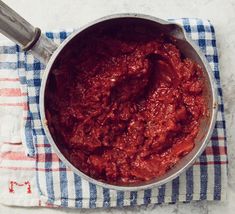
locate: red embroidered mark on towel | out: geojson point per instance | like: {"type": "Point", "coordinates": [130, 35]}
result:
{"type": "Point", "coordinates": [14, 183]}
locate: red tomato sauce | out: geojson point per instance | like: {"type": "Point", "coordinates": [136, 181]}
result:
{"type": "Point", "coordinates": [125, 108]}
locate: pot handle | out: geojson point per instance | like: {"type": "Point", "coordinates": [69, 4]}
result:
{"type": "Point", "coordinates": [16, 28]}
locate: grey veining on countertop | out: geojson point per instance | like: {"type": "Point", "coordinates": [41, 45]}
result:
{"type": "Point", "coordinates": [75, 13]}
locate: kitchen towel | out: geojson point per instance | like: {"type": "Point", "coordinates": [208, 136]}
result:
{"type": "Point", "coordinates": [59, 186]}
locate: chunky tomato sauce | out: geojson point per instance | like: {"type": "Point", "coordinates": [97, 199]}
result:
{"type": "Point", "coordinates": [125, 108]}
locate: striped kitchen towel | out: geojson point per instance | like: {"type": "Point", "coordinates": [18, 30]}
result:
{"type": "Point", "coordinates": [59, 186]}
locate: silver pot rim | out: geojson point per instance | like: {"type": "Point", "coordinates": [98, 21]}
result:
{"type": "Point", "coordinates": [111, 186]}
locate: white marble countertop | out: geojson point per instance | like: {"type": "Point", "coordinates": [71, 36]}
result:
{"type": "Point", "coordinates": [61, 14]}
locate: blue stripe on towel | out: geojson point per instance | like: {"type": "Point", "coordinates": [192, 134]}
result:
{"type": "Point", "coordinates": [106, 196]}
{"type": "Point", "coordinates": [93, 195]}
{"type": "Point", "coordinates": [186, 25]}
{"type": "Point", "coordinates": [78, 191]}
{"type": "Point", "coordinates": [63, 184]}
{"type": "Point", "coordinates": [120, 198]}
{"type": "Point", "coordinates": [175, 190]}
{"type": "Point", "coordinates": [147, 196]}
{"type": "Point", "coordinates": [189, 184]}
{"type": "Point", "coordinates": [49, 176]}
{"type": "Point", "coordinates": [161, 194]}
{"type": "Point", "coordinates": [133, 198]}
{"type": "Point", "coordinates": [217, 167]}
{"type": "Point", "coordinates": [204, 177]}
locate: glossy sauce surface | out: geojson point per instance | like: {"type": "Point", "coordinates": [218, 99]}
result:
{"type": "Point", "coordinates": [125, 108]}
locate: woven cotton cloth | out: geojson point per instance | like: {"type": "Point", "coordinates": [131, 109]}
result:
{"type": "Point", "coordinates": [59, 186]}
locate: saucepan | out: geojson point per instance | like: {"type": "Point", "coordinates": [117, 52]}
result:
{"type": "Point", "coordinates": [31, 39]}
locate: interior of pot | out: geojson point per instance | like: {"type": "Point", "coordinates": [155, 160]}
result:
{"type": "Point", "coordinates": [188, 51]}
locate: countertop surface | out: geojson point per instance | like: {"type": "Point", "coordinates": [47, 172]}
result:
{"type": "Point", "coordinates": [63, 14]}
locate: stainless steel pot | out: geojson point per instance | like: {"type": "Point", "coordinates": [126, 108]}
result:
{"type": "Point", "coordinates": [30, 38]}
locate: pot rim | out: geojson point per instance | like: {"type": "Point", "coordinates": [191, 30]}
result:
{"type": "Point", "coordinates": [100, 183]}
